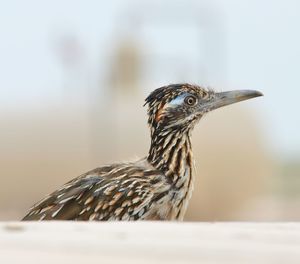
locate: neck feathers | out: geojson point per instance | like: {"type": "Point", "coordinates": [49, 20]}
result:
{"type": "Point", "coordinates": [171, 152]}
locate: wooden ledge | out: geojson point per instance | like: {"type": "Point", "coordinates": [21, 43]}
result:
{"type": "Point", "coordinates": [149, 242]}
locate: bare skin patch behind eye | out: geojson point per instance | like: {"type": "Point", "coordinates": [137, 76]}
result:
{"type": "Point", "coordinates": [178, 100]}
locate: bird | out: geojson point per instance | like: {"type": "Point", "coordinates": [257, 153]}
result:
{"type": "Point", "coordinates": [156, 187]}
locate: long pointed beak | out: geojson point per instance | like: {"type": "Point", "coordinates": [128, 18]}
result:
{"type": "Point", "coordinates": [231, 97]}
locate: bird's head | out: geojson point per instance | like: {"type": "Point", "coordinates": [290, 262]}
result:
{"type": "Point", "coordinates": [180, 106]}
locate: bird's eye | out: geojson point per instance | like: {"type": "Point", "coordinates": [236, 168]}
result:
{"type": "Point", "coordinates": [190, 100]}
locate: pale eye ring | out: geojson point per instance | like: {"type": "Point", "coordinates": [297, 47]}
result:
{"type": "Point", "coordinates": [190, 100]}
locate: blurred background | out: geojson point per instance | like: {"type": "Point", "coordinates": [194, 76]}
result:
{"type": "Point", "coordinates": [74, 74]}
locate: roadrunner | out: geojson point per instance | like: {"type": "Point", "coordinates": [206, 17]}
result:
{"type": "Point", "coordinates": [157, 187]}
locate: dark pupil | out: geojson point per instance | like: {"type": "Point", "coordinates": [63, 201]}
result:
{"type": "Point", "coordinates": [190, 100]}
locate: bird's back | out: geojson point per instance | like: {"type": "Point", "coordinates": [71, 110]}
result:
{"type": "Point", "coordinates": [128, 191]}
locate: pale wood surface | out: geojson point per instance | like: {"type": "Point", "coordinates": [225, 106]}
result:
{"type": "Point", "coordinates": [149, 242]}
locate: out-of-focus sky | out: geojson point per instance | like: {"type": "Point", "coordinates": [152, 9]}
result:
{"type": "Point", "coordinates": [258, 43]}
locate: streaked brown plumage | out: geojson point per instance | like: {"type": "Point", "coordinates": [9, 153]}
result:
{"type": "Point", "coordinates": [157, 187]}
